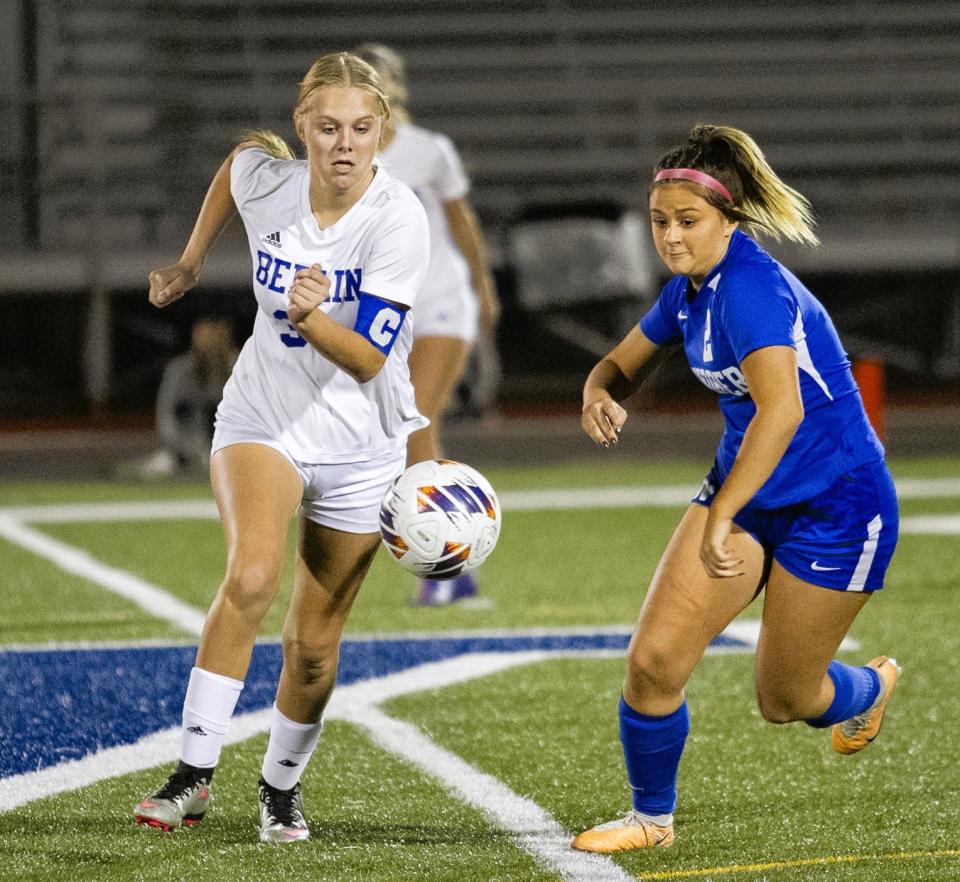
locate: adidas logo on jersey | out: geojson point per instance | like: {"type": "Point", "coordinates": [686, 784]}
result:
{"type": "Point", "coordinates": [271, 239]}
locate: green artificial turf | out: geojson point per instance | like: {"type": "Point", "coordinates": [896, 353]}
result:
{"type": "Point", "coordinates": [757, 802]}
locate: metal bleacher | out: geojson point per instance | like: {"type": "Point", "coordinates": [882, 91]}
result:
{"type": "Point", "coordinates": [858, 104]}
{"type": "Point", "coordinates": [120, 111]}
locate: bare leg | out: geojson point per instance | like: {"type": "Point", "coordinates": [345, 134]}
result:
{"type": "Point", "coordinates": [803, 625]}
{"type": "Point", "coordinates": [331, 566]}
{"type": "Point", "coordinates": [436, 365]}
{"type": "Point", "coordinates": [683, 611]}
{"type": "Point", "coordinates": [257, 492]}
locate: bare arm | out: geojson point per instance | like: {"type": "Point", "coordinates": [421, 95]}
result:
{"type": "Point", "coordinates": [771, 374]}
{"type": "Point", "coordinates": [344, 347]}
{"type": "Point", "coordinates": [615, 377]}
{"type": "Point", "coordinates": [170, 283]}
{"type": "Point", "coordinates": [466, 233]}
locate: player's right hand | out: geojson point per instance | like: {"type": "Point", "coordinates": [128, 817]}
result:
{"type": "Point", "coordinates": [171, 283]}
{"type": "Point", "coordinates": [602, 419]}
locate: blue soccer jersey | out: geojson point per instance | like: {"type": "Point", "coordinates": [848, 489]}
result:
{"type": "Point", "coordinates": [746, 302]}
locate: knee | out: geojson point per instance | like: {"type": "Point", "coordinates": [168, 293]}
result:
{"type": "Point", "coordinates": [652, 672]}
{"type": "Point", "coordinates": [783, 706]}
{"type": "Point", "coordinates": [310, 661]}
{"type": "Point", "coordinates": [249, 587]}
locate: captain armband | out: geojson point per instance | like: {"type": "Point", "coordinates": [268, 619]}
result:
{"type": "Point", "coordinates": [379, 321]}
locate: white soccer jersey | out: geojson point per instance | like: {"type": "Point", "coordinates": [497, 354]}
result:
{"type": "Point", "coordinates": [428, 163]}
{"type": "Point", "coordinates": [281, 383]}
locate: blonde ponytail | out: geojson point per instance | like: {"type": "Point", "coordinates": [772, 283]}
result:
{"type": "Point", "coordinates": [269, 142]}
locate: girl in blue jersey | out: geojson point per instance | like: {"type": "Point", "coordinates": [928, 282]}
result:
{"type": "Point", "coordinates": [799, 500]}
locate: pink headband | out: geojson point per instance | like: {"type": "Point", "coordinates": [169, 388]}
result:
{"type": "Point", "coordinates": [697, 177]}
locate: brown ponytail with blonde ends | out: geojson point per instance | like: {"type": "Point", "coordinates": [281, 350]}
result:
{"type": "Point", "coordinates": [761, 200]}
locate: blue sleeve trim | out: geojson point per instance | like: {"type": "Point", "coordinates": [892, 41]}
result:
{"type": "Point", "coordinates": [379, 321]}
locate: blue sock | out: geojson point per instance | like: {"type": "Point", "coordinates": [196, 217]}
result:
{"type": "Point", "coordinates": [855, 689]}
{"type": "Point", "coordinates": [652, 747]}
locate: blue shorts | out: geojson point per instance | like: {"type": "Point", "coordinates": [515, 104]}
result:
{"type": "Point", "coordinates": [843, 538]}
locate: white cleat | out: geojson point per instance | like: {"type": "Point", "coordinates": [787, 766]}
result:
{"type": "Point", "coordinates": [281, 814]}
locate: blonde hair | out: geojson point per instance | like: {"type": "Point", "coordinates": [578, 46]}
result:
{"type": "Point", "coordinates": [334, 69]}
{"type": "Point", "coordinates": [761, 201]}
{"type": "Point", "coordinates": [389, 64]}
{"type": "Point", "coordinates": [268, 142]}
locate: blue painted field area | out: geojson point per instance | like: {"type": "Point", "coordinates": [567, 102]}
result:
{"type": "Point", "coordinates": [62, 705]}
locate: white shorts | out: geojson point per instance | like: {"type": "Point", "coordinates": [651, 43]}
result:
{"type": "Point", "coordinates": [345, 495]}
{"type": "Point", "coordinates": [448, 312]}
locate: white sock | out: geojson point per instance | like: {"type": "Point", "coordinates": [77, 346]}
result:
{"type": "Point", "coordinates": [659, 820]}
{"type": "Point", "coordinates": [288, 750]}
{"type": "Point", "coordinates": [207, 709]}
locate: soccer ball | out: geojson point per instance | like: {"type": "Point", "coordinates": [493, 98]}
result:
{"type": "Point", "coordinates": [440, 518]}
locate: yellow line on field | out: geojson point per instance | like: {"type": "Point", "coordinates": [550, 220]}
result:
{"type": "Point", "coordinates": [800, 862]}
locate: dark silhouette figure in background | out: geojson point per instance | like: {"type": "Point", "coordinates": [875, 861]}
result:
{"type": "Point", "coordinates": [190, 390]}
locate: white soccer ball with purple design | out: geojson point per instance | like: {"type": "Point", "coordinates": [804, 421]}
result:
{"type": "Point", "coordinates": [440, 518]}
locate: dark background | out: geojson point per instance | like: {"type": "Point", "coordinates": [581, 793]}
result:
{"type": "Point", "coordinates": [118, 113]}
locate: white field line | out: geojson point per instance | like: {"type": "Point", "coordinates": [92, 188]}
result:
{"type": "Point", "coordinates": [152, 750]}
{"type": "Point", "coordinates": [153, 600]}
{"type": "Point", "coordinates": [163, 605]}
{"type": "Point", "coordinates": [748, 631]}
{"type": "Point", "coordinates": [96, 512]}
{"type": "Point", "coordinates": [927, 488]}
{"type": "Point", "coordinates": [163, 746]}
{"type": "Point", "coordinates": [512, 500]}
{"type": "Point", "coordinates": [936, 525]}
{"type": "Point", "coordinates": [534, 829]}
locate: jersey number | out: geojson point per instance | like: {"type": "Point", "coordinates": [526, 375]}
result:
{"type": "Point", "coordinates": [291, 339]}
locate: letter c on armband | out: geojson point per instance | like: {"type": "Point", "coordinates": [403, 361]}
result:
{"type": "Point", "coordinates": [379, 321]}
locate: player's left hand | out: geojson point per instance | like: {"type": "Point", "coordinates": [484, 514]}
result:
{"type": "Point", "coordinates": [602, 419]}
{"type": "Point", "coordinates": [310, 288]}
{"type": "Point", "coordinates": [718, 560]}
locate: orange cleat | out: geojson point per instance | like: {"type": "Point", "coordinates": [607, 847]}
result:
{"type": "Point", "coordinates": [853, 735]}
{"type": "Point", "coordinates": [629, 832]}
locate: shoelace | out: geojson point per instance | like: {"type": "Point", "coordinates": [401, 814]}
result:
{"type": "Point", "coordinates": [852, 726]}
{"type": "Point", "coordinates": [633, 819]}
{"type": "Point", "coordinates": [178, 784]}
{"type": "Point", "coordinates": [282, 805]}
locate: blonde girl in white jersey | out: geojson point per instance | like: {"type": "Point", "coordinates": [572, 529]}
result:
{"type": "Point", "coordinates": [314, 419]}
{"type": "Point", "coordinates": [458, 300]}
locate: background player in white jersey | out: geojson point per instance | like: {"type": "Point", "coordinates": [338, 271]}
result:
{"type": "Point", "coordinates": [799, 500]}
{"type": "Point", "coordinates": [457, 305]}
{"type": "Point", "coordinates": [314, 419]}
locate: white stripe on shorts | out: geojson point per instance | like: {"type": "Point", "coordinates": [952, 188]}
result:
{"type": "Point", "coordinates": [866, 556]}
